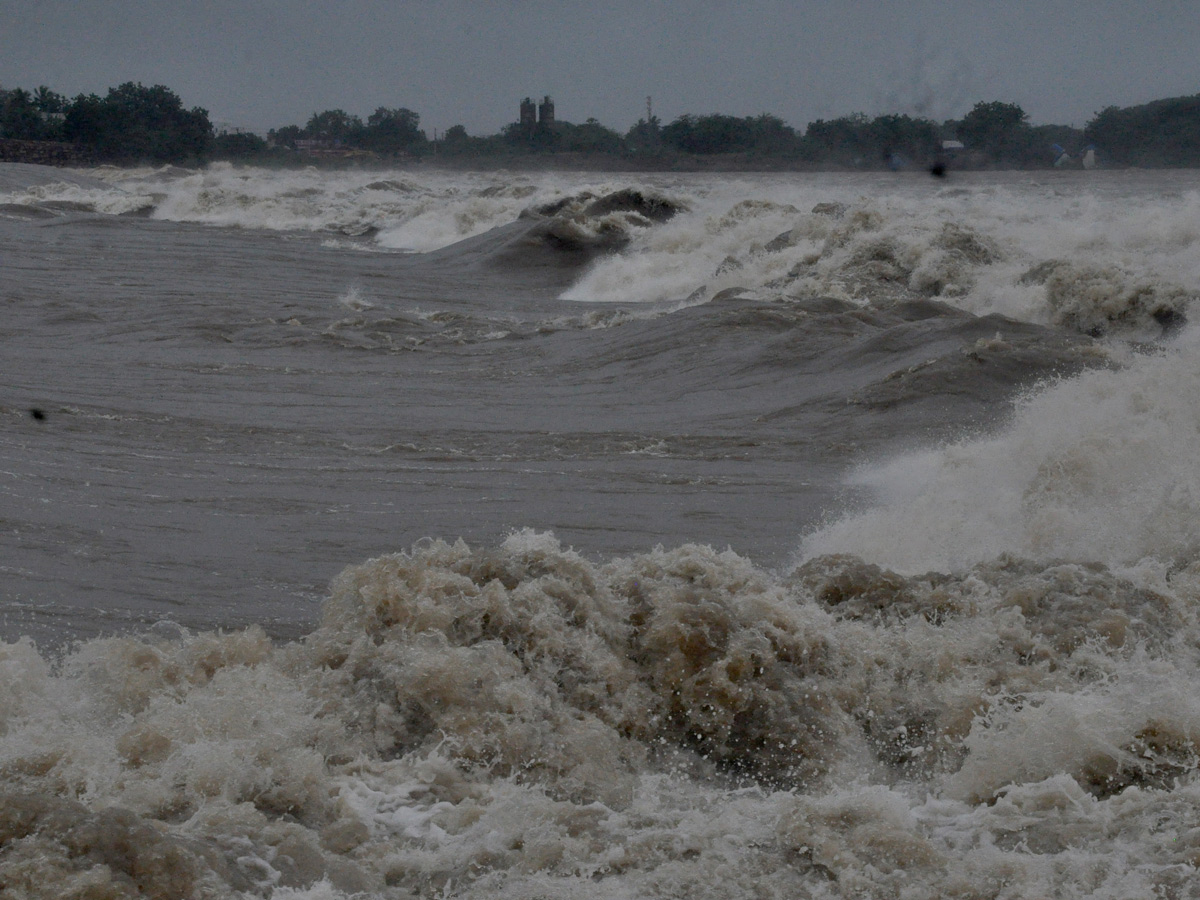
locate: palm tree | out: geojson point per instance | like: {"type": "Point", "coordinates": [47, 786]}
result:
{"type": "Point", "coordinates": [47, 101]}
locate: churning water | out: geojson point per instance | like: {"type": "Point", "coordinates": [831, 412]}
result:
{"type": "Point", "coordinates": [408, 533]}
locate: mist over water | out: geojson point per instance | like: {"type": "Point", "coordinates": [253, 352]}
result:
{"type": "Point", "coordinates": [482, 535]}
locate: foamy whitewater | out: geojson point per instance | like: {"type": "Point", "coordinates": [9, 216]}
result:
{"type": "Point", "coordinates": [413, 533]}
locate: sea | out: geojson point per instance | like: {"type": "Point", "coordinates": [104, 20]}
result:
{"type": "Point", "coordinates": [608, 536]}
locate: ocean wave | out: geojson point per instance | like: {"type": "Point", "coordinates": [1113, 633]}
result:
{"type": "Point", "coordinates": [519, 720]}
{"type": "Point", "coordinates": [973, 248]}
{"type": "Point", "coordinates": [1089, 260]}
{"type": "Point", "coordinates": [1102, 466]}
{"type": "Point", "coordinates": [410, 211]}
{"type": "Point", "coordinates": [978, 681]}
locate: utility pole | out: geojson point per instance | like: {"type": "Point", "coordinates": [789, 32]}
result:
{"type": "Point", "coordinates": [649, 112]}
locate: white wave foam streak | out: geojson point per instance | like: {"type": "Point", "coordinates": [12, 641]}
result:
{"type": "Point", "coordinates": [354, 203]}
{"type": "Point", "coordinates": [1104, 466]}
{"type": "Point", "coordinates": [403, 210]}
{"type": "Point", "coordinates": [306, 200]}
{"type": "Point", "coordinates": [67, 197]}
{"type": "Point", "coordinates": [447, 220]}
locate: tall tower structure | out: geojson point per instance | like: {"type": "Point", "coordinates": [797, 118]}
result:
{"type": "Point", "coordinates": [528, 117]}
{"type": "Point", "coordinates": [546, 111]}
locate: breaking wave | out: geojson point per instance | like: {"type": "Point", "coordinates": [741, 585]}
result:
{"type": "Point", "coordinates": [522, 722]}
{"type": "Point", "coordinates": [984, 250]}
{"type": "Point", "coordinates": [1104, 466]}
{"type": "Point", "coordinates": [1087, 259]}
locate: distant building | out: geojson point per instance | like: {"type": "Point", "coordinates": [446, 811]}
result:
{"type": "Point", "coordinates": [220, 128]}
{"type": "Point", "coordinates": [316, 145]}
{"type": "Point", "coordinates": [528, 116]}
{"type": "Point", "coordinates": [326, 148]}
{"type": "Point", "coordinates": [546, 111]}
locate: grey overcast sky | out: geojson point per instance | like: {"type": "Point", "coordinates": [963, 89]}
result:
{"type": "Point", "coordinates": [260, 64]}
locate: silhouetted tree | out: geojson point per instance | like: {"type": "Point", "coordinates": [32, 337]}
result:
{"type": "Point", "coordinates": [728, 134]}
{"type": "Point", "coordinates": [544, 137]}
{"type": "Point", "coordinates": [770, 134]}
{"type": "Point", "coordinates": [645, 136]}
{"type": "Point", "coordinates": [457, 142]}
{"type": "Point", "coordinates": [335, 125]}
{"type": "Point", "coordinates": [913, 139]}
{"type": "Point", "coordinates": [861, 142]}
{"type": "Point", "coordinates": [590, 137]}
{"type": "Point", "coordinates": [47, 101]}
{"type": "Point", "coordinates": [393, 131]}
{"type": "Point", "coordinates": [998, 130]}
{"type": "Point", "coordinates": [707, 134]}
{"type": "Point", "coordinates": [19, 117]}
{"type": "Point", "coordinates": [238, 146]}
{"type": "Point", "coordinates": [285, 136]}
{"type": "Point", "coordinates": [844, 141]}
{"type": "Point", "coordinates": [1162, 133]}
{"type": "Point", "coordinates": [138, 123]}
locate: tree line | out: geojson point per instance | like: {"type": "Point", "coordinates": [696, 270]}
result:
{"type": "Point", "coordinates": [134, 123]}
{"type": "Point", "coordinates": [131, 123]}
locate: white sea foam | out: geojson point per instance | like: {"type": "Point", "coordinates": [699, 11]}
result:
{"type": "Point", "coordinates": [519, 721]}
{"type": "Point", "coordinates": [1104, 466]}
{"type": "Point", "coordinates": [412, 211]}
{"type": "Point", "coordinates": [972, 247]}
{"type": "Point", "coordinates": [65, 196]}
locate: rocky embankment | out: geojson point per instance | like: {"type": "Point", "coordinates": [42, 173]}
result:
{"type": "Point", "coordinates": [45, 153]}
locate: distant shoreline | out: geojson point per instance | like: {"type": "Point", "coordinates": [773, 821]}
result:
{"type": "Point", "coordinates": [135, 125]}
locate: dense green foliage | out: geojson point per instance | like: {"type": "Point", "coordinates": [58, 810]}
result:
{"type": "Point", "coordinates": [31, 117]}
{"type": "Point", "coordinates": [999, 130]}
{"type": "Point", "coordinates": [393, 131]}
{"type": "Point", "coordinates": [238, 145]}
{"type": "Point", "coordinates": [645, 136]}
{"type": "Point", "coordinates": [387, 132]}
{"type": "Point", "coordinates": [890, 140]}
{"type": "Point", "coordinates": [133, 123]}
{"type": "Point", "coordinates": [728, 134]}
{"type": "Point", "coordinates": [138, 124]}
{"type": "Point", "coordinates": [1162, 133]}
{"type": "Point", "coordinates": [556, 137]}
